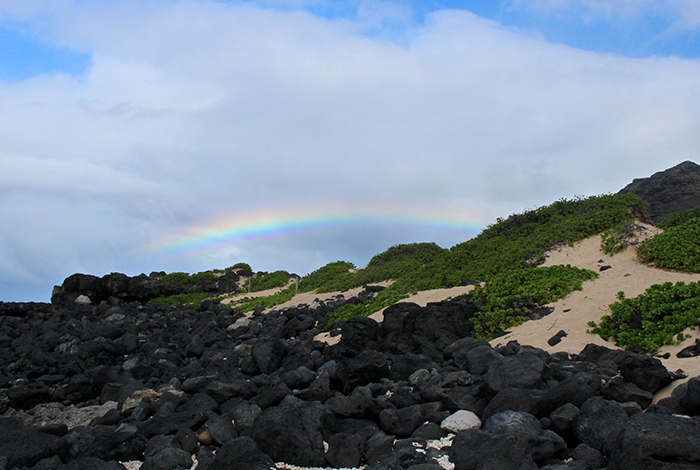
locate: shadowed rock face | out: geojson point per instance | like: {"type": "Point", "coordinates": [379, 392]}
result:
{"type": "Point", "coordinates": [670, 191]}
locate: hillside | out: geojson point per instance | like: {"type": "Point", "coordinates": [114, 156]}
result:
{"type": "Point", "coordinates": [482, 355]}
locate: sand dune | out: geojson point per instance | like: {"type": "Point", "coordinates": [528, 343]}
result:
{"type": "Point", "coordinates": [573, 313]}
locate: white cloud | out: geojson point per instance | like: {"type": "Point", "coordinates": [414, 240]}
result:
{"type": "Point", "coordinates": [192, 110]}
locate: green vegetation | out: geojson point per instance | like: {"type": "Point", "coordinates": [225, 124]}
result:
{"type": "Point", "coordinates": [269, 281]}
{"type": "Point", "coordinates": [507, 299]}
{"type": "Point", "coordinates": [655, 318]}
{"type": "Point", "coordinates": [676, 248]}
{"type": "Point", "coordinates": [679, 218]}
{"type": "Point", "coordinates": [243, 266]}
{"type": "Point", "coordinates": [193, 300]}
{"type": "Point", "coordinates": [521, 241]}
{"type": "Point", "coordinates": [185, 279]}
{"type": "Point", "coordinates": [331, 277]}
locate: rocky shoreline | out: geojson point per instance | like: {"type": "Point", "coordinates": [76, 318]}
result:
{"type": "Point", "coordinates": [89, 384]}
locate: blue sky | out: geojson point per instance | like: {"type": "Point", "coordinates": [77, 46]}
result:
{"type": "Point", "coordinates": [127, 125]}
{"type": "Point", "coordinates": [651, 30]}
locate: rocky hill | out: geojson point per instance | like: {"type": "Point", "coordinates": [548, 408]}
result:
{"type": "Point", "coordinates": [670, 191]}
{"type": "Point", "coordinates": [108, 376]}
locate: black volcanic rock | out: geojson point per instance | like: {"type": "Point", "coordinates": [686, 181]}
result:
{"type": "Point", "coordinates": [669, 192]}
{"type": "Point", "coordinates": [185, 382]}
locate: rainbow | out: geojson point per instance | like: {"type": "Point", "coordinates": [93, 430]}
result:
{"type": "Point", "coordinates": [237, 228]}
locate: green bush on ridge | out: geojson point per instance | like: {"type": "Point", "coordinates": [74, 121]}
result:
{"type": "Point", "coordinates": [676, 248]}
{"type": "Point", "coordinates": [193, 300]}
{"type": "Point", "coordinates": [269, 281]}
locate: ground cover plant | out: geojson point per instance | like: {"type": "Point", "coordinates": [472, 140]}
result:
{"type": "Point", "coordinates": [679, 218]}
{"type": "Point", "coordinates": [508, 298]}
{"type": "Point", "coordinates": [655, 318]}
{"type": "Point", "coordinates": [193, 299]}
{"type": "Point", "coordinates": [185, 279]}
{"type": "Point", "coordinates": [617, 239]}
{"type": "Point", "coordinates": [676, 248]}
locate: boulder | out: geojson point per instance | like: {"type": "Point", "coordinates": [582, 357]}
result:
{"type": "Point", "coordinates": [460, 421]}
{"type": "Point", "coordinates": [368, 366]}
{"type": "Point", "coordinates": [599, 422]}
{"type": "Point", "coordinates": [523, 370]}
{"type": "Point", "coordinates": [242, 453]}
{"type": "Point", "coordinates": [345, 450]}
{"type": "Point", "coordinates": [292, 433]}
{"type": "Point", "coordinates": [401, 422]}
{"type": "Point", "coordinates": [653, 441]}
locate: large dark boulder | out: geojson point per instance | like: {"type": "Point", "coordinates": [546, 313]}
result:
{"type": "Point", "coordinates": [657, 442]}
{"type": "Point", "coordinates": [410, 328]}
{"type": "Point", "coordinates": [522, 370]}
{"type": "Point", "coordinates": [648, 373]}
{"type": "Point", "coordinates": [24, 446]}
{"type": "Point", "coordinates": [292, 432]}
{"type": "Point", "coordinates": [345, 450]}
{"type": "Point", "coordinates": [242, 454]}
{"type": "Point", "coordinates": [599, 422]}
{"type": "Point", "coordinates": [401, 422]}
{"type": "Point", "coordinates": [368, 366]}
{"type": "Point", "coordinates": [478, 449]}
{"type": "Point", "coordinates": [669, 191]}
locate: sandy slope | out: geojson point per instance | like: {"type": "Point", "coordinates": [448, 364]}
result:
{"type": "Point", "coordinates": [573, 313]}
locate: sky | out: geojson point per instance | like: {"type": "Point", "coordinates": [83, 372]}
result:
{"type": "Point", "coordinates": [188, 135]}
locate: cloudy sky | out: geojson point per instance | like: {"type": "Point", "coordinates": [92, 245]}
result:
{"type": "Point", "coordinates": [186, 135]}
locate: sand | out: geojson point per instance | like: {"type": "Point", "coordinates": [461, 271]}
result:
{"type": "Point", "coordinates": [573, 313]}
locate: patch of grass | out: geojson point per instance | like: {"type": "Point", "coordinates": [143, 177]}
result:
{"type": "Point", "coordinates": [655, 318]}
{"type": "Point", "coordinates": [676, 248]}
{"type": "Point", "coordinates": [193, 300]}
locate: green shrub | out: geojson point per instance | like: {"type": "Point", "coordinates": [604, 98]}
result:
{"type": "Point", "coordinates": [185, 279]}
{"type": "Point", "coordinates": [508, 298]}
{"type": "Point", "coordinates": [193, 300]}
{"type": "Point", "coordinates": [676, 248]}
{"type": "Point", "coordinates": [331, 277]}
{"type": "Point", "coordinates": [269, 281]}
{"type": "Point", "coordinates": [679, 218]}
{"type": "Point", "coordinates": [655, 318]}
